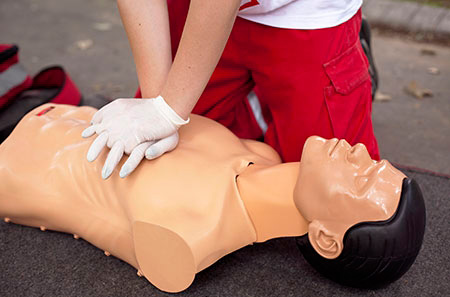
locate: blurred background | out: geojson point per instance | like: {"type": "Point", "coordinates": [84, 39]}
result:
{"type": "Point", "coordinates": [410, 44]}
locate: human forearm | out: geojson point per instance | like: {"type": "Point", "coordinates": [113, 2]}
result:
{"type": "Point", "coordinates": [205, 34]}
{"type": "Point", "coordinates": [149, 127]}
{"type": "Point", "coordinates": [147, 26]}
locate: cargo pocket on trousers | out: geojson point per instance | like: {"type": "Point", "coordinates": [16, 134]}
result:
{"type": "Point", "coordinates": [348, 94]}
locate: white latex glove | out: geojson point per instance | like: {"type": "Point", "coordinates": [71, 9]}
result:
{"type": "Point", "coordinates": [148, 125]}
{"type": "Point", "coordinates": [151, 150]}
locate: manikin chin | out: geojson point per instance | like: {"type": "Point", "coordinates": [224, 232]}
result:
{"type": "Point", "coordinates": [178, 214]}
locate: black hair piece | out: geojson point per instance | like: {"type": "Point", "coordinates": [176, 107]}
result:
{"type": "Point", "coordinates": [376, 253]}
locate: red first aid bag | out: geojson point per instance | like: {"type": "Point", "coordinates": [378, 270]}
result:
{"type": "Point", "coordinates": [19, 93]}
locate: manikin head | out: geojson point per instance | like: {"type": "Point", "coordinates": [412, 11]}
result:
{"type": "Point", "coordinates": [349, 199]}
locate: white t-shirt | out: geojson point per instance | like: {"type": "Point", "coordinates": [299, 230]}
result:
{"type": "Point", "coordinates": [299, 14]}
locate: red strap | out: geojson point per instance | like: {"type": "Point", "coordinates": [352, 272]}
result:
{"type": "Point", "coordinates": [56, 77]}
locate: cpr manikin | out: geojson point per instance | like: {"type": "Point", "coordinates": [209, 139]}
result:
{"type": "Point", "coordinates": [180, 213]}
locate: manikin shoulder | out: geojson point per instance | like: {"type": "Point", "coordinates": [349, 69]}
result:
{"type": "Point", "coordinates": [209, 136]}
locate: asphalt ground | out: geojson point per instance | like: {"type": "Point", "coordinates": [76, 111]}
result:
{"type": "Point", "coordinates": [412, 131]}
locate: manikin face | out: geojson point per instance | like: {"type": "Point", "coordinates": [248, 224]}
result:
{"type": "Point", "coordinates": [339, 186]}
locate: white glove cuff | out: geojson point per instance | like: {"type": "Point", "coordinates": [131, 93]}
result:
{"type": "Point", "coordinates": [169, 113]}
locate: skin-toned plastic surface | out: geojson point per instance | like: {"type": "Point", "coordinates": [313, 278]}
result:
{"type": "Point", "coordinates": [178, 214]}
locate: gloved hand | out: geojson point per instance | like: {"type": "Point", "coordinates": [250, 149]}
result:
{"type": "Point", "coordinates": [148, 126]}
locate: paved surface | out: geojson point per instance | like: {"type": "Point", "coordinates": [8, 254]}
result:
{"type": "Point", "coordinates": [86, 37]}
{"type": "Point", "coordinates": [413, 131]}
{"type": "Point", "coordinates": [408, 16]}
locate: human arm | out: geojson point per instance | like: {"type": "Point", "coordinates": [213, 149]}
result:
{"type": "Point", "coordinates": [147, 26]}
{"type": "Point", "coordinates": [206, 31]}
{"type": "Point", "coordinates": [208, 26]}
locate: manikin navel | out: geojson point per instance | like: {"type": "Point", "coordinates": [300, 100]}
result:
{"type": "Point", "coordinates": [178, 214]}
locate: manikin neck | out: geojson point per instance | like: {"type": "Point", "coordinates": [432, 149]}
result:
{"type": "Point", "coordinates": [268, 195]}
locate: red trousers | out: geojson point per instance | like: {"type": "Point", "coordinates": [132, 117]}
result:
{"type": "Point", "coordinates": [309, 82]}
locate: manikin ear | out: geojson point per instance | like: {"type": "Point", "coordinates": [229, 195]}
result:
{"type": "Point", "coordinates": [327, 243]}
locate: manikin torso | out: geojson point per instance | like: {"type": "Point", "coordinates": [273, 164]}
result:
{"type": "Point", "coordinates": [172, 217]}
{"type": "Point", "coordinates": [192, 191]}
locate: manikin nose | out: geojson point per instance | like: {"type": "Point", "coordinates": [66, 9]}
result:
{"type": "Point", "coordinates": [342, 147]}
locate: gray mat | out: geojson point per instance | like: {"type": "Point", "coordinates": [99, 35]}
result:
{"type": "Point", "coordinates": [35, 263]}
